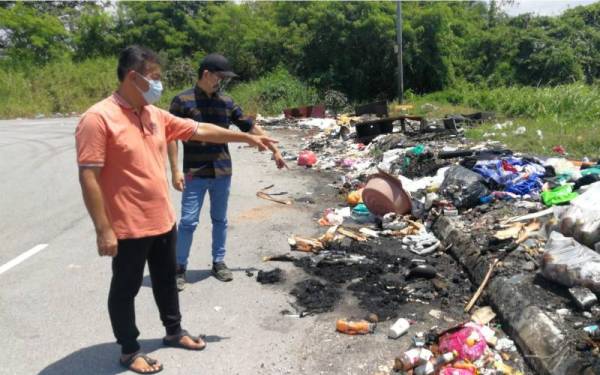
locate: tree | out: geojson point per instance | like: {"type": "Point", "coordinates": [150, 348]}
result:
{"type": "Point", "coordinates": [95, 34]}
{"type": "Point", "coordinates": [32, 36]}
{"type": "Point", "coordinates": [350, 48]}
{"type": "Point", "coordinates": [175, 27]}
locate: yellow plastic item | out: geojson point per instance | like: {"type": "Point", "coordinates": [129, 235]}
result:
{"type": "Point", "coordinates": [343, 120]}
{"type": "Point", "coordinates": [354, 197]}
{"type": "Point", "coordinates": [506, 369]}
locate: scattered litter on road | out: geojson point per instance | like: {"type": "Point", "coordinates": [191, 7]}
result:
{"type": "Point", "coordinates": [353, 327]}
{"type": "Point", "coordinates": [270, 277]}
{"type": "Point", "coordinates": [270, 196]}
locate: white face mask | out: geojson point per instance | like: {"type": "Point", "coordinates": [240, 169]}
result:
{"type": "Point", "coordinates": [154, 92]}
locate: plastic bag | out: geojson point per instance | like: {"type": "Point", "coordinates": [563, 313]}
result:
{"type": "Point", "coordinates": [421, 244]}
{"type": "Point", "coordinates": [307, 158]}
{"type": "Point", "coordinates": [456, 371]}
{"type": "Point", "coordinates": [570, 263]}
{"type": "Point", "coordinates": [515, 175]}
{"type": "Point", "coordinates": [468, 342]}
{"type": "Point", "coordinates": [463, 186]}
{"type": "Point", "coordinates": [563, 166]}
{"type": "Point", "coordinates": [560, 194]}
{"type": "Point", "coordinates": [582, 219]}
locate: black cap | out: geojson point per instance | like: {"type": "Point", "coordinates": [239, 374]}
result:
{"type": "Point", "coordinates": [216, 63]}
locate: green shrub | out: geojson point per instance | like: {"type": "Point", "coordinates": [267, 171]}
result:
{"type": "Point", "coordinates": [272, 93]}
{"type": "Point", "coordinates": [58, 87]}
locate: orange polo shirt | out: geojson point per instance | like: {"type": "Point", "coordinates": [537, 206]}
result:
{"type": "Point", "coordinates": [131, 150]}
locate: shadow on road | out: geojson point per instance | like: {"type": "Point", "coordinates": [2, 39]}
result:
{"type": "Point", "coordinates": [196, 276]}
{"type": "Point", "coordinates": [192, 276]}
{"type": "Point", "coordinates": [101, 359]}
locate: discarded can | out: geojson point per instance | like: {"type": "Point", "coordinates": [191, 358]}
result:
{"type": "Point", "coordinates": [360, 327]}
{"type": "Point", "coordinates": [412, 358]}
{"type": "Point", "coordinates": [398, 328]}
{"type": "Point", "coordinates": [426, 369]}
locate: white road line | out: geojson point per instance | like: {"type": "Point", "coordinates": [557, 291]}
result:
{"type": "Point", "coordinates": [29, 253]}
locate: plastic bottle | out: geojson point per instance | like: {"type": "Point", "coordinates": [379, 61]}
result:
{"type": "Point", "coordinates": [398, 328]}
{"type": "Point", "coordinates": [360, 327]}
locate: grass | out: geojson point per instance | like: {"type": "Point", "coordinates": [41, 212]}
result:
{"type": "Point", "coordinates": [272, 93]}
{"type": "Point", "coordinates": [59, 87]}
{"type": "Point", "coordinates": [63, 87]}
{"type": "Point", "coordinates": [567, 115]}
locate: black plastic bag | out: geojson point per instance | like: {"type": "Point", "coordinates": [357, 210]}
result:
{"type": "Point", "coordinates": [463, 187]}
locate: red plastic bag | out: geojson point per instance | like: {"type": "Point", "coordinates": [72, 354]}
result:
{"type": "Point", "coordinates": [307, 158]}
{"type": "Point", "coordinates": [559, 149]}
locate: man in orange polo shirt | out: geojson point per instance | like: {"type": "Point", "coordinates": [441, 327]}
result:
{"type": "Point", "coordinates": [121, 152]}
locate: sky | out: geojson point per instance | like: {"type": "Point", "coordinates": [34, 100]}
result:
{"type": "Point", "coordinates": [544, 7]}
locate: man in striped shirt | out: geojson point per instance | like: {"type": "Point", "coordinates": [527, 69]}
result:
{"type": "Point", "coordinates": [207, 166]}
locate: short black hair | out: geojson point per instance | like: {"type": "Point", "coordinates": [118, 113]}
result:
{"type": "Point", "coordinates": [135, 58]}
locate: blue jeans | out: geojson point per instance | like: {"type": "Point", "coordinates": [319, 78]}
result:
{"type": "Point", "coordinates": [191, 204]}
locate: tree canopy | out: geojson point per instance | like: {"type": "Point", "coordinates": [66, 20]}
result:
{"type": "Point", "coordinates": [342, 46]}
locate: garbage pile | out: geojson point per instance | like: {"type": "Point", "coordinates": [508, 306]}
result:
{"type": "Point", "coordinates": [527, 213]}
{"type": "Point", "coordinates": [466, 349]}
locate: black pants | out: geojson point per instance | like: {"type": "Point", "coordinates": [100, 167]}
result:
{"type": "Point", "coordinates": [127, 274]}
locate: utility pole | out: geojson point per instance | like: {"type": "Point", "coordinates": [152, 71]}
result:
{"type": "Point", "coordinates": [399, 51]}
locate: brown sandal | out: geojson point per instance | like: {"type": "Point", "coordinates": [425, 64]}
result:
{"type": "Point", "coordinates": [175, 342]}
{"type": "Point", "coordinates": [151, 362]}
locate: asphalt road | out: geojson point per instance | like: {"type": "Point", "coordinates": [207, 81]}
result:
{"type": "Point", "coordinates": [53, 314]}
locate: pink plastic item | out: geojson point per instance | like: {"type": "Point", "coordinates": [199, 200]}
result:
{"type": "Point", "coordinates": [307, 158]}
{"type": "Point", "coordinates": [384, 193]}
{"type": "Point", "coordinates": [348, 163]}
{"type": "Point", "coordinates": [455, 371]}
{"type": "Point", "coordinates": [468, 342]}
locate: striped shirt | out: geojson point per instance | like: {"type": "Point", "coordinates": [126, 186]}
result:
{"type": "Point", "coordinates": [203, 159]}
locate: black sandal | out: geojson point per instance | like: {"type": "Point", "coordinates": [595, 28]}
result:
{"type": "Point", "coordinates": [175, 341]}
{"type": "Point", "coordinates": [151, 362]}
